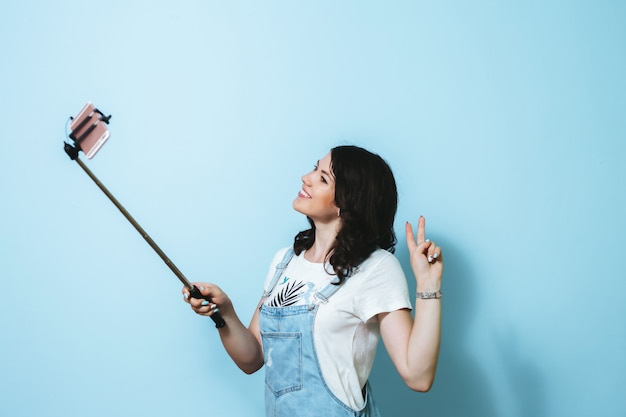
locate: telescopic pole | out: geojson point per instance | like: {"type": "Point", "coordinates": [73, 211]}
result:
{"type": "Point", "coordinates": [194, 291]}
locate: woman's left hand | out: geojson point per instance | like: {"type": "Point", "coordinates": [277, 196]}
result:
{"type": "Point", "coordinates": [426, 258]}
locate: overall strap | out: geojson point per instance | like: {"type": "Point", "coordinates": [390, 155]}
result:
{"type": "Point", "coordinates": [325, 293]}
{"type": "Point", "coordinates": [333, 286]}
{"type": "Point", "coordinates": [280, 267]}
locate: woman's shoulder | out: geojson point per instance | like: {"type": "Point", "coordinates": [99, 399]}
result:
{"type": "Point", "coordinates": [280, 255]}
{"type": "Point", "coordinates": [380, 256]}
{"type": "Point", "coordinates": [380, 261]}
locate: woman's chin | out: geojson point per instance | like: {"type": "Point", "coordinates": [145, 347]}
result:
{"type": "Point", "coordinates": [297, 205]}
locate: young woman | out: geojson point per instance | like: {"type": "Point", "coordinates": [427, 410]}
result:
{"type": "Point", "coordinates": [330, 296]}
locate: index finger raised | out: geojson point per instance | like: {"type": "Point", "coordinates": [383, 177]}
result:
{"type": "Point", "coordinates": [421, 230]}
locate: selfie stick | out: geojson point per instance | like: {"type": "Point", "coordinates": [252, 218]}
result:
{"type": "Point", "coordinates": [72, 152]}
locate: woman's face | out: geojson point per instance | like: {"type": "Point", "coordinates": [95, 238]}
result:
{"type": "Point", "coordinates": [316, 199]}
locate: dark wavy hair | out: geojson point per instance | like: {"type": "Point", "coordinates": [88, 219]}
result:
{"type": "Point", "coordinates": [367, 197]}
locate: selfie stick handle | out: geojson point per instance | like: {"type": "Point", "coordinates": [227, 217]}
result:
{"type": "Point", "coordinates": [193, 290]}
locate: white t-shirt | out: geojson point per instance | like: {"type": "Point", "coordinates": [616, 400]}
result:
{"type": "Point", "coordinates": [346, 328]}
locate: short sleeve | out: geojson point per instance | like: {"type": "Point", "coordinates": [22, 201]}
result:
{"type": "Point", "coordinates": [382, 286]}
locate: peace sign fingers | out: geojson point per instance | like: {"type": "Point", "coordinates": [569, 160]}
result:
{"type": "Point", "coordinates": [425, 256]}
{"type": "Point", "coordinates": [421, 242]}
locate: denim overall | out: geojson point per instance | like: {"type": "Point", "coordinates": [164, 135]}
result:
{"type": "Point", "coordinates": [294, 385]}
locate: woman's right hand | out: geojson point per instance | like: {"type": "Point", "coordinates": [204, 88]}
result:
{"type": "Point", "coordinates": [219, 300]}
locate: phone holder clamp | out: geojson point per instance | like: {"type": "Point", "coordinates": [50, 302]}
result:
{"type": "Point", "coordinates": [72, 150]}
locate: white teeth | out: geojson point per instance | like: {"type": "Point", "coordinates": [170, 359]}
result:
{"type": "Point", "coordinates": [304, 194]}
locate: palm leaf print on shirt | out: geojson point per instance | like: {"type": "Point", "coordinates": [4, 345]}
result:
{"type": "Point", "coordinates": [288, 295]}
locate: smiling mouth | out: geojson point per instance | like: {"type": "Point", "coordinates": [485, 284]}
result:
{"type": "Point", "coordinates": [303, 194]}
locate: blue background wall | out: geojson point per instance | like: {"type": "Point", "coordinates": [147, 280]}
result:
{"type": "Point", "coordinates": [504, 123]}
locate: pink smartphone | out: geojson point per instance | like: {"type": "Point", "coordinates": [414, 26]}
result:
{"type": "Point", "coordinates": [88, 131]}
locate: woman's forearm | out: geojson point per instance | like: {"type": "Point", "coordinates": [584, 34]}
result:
{"type": "Point", "coordinates": [241, 344]}
{"type": "Point", "coordinates": [424, 343]}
